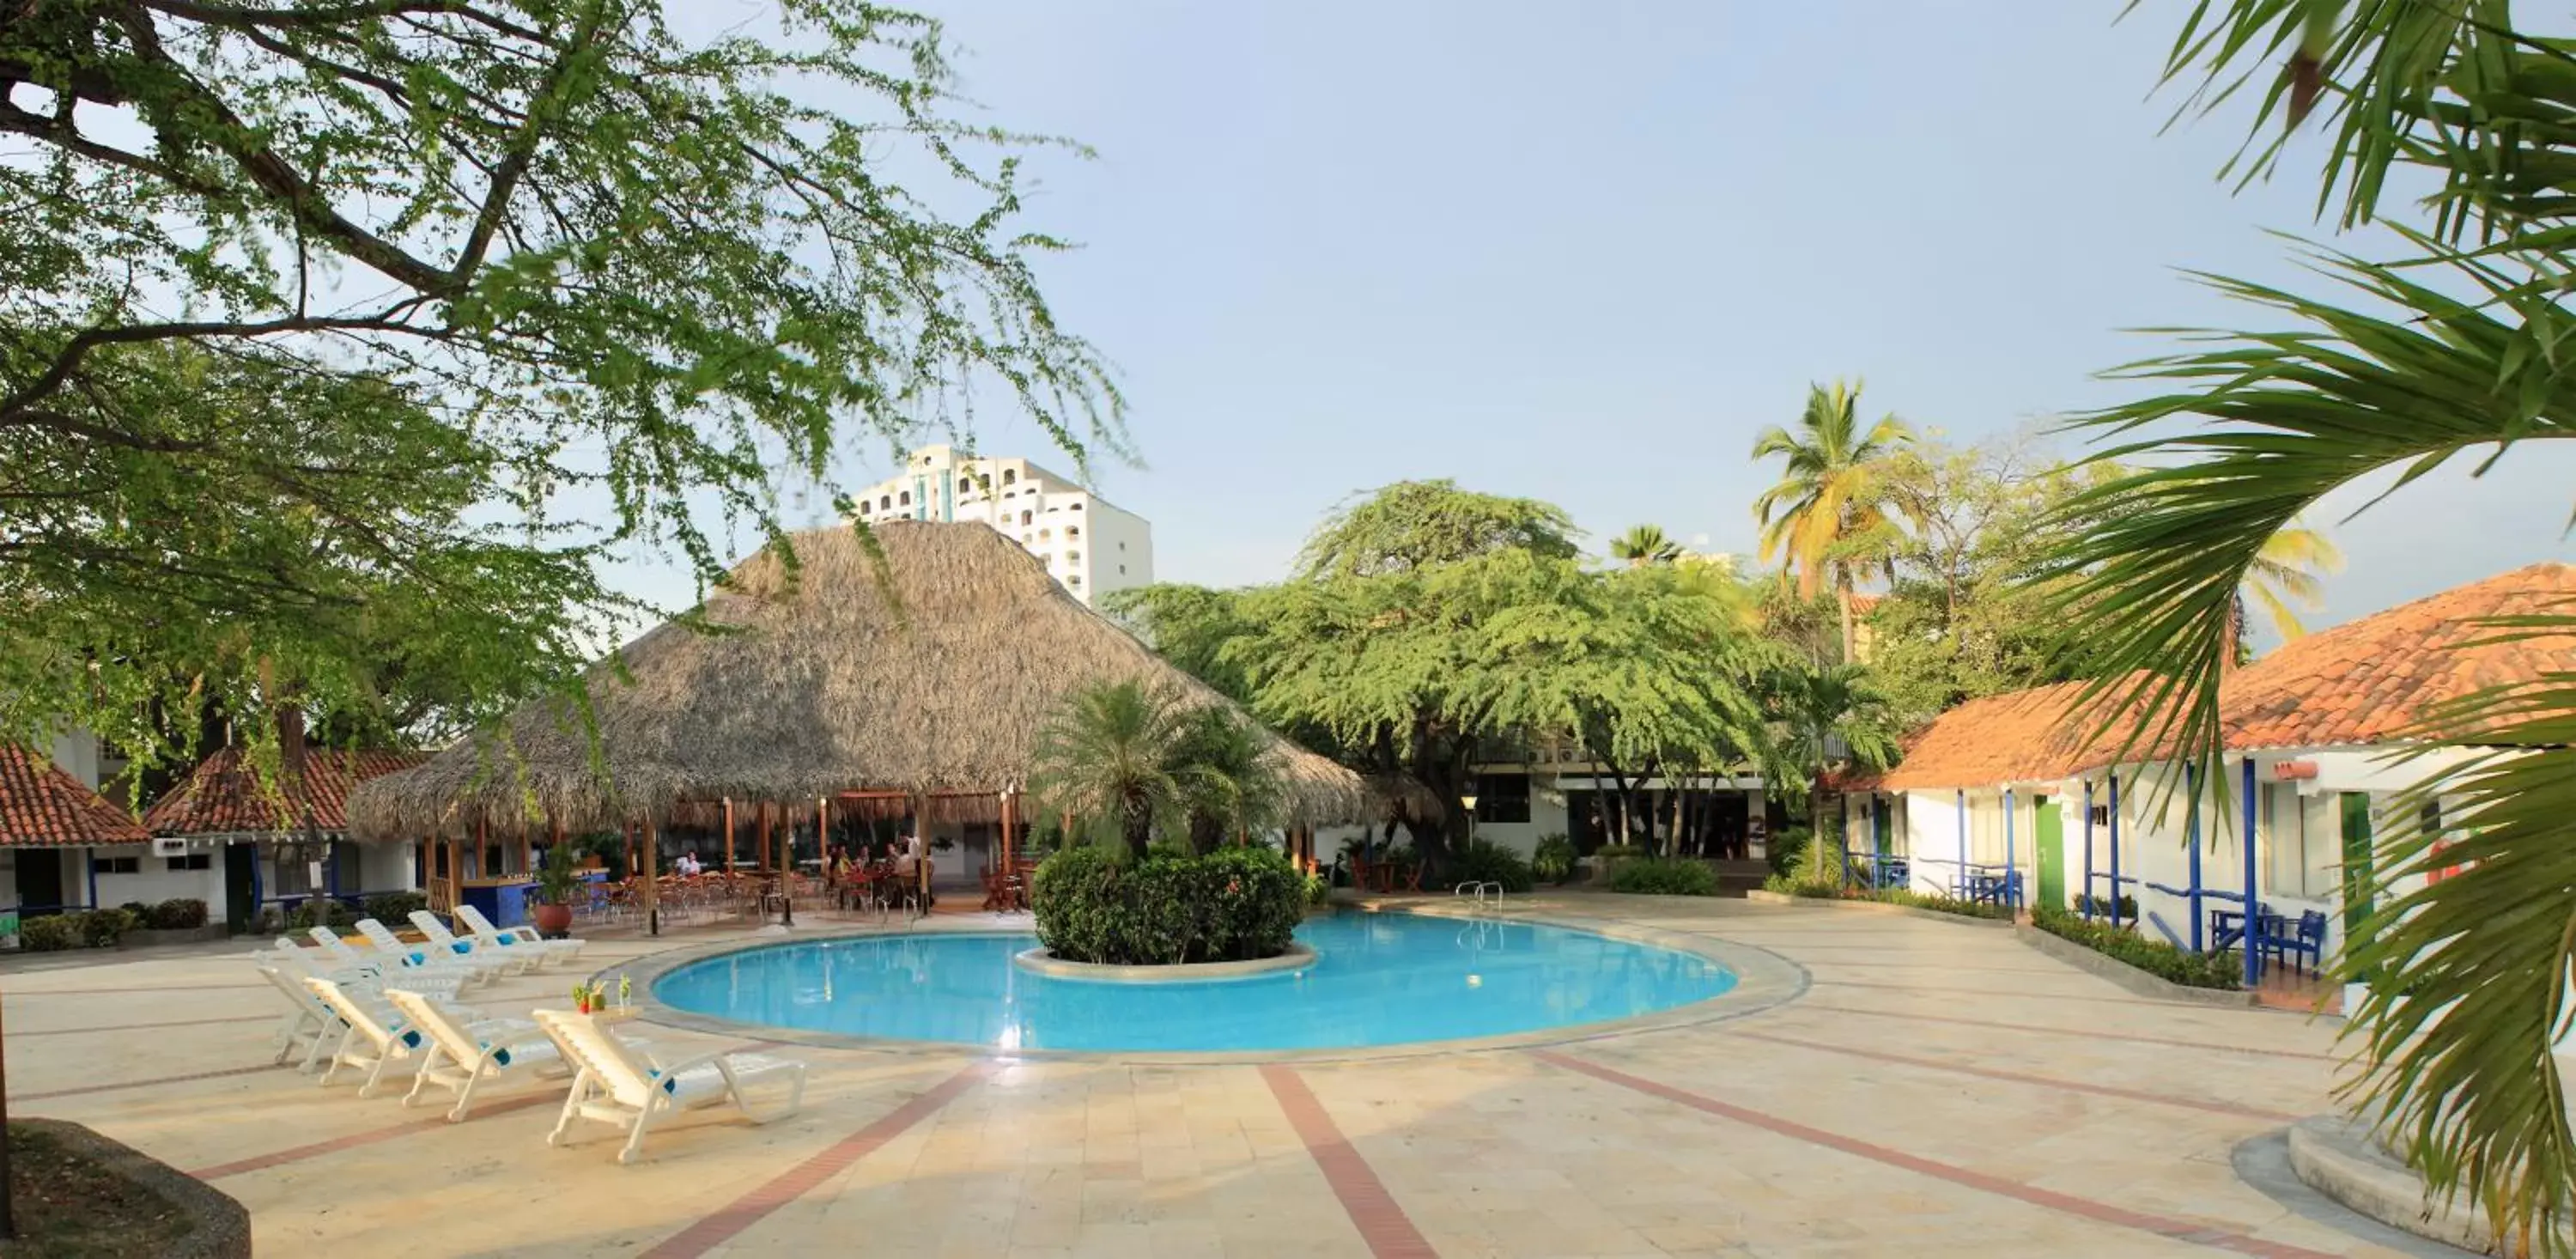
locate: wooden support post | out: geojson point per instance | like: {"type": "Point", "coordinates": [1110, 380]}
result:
{"type": "Point", "coordinates": [921, 867]}
{"type": "Point", "coordinates": [1010, 829]}
{"type": "Point", "coordinates": [652, 883]}
{"type": "Point", "coordinates": [728, 825]}
{"type": "Point", "coordinates": [455, 874]}
{"type": "Point", "coordinates": [765, 866]}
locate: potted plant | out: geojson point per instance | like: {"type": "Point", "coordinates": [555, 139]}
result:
{"type": "Point", "coordinates": [556, 886]}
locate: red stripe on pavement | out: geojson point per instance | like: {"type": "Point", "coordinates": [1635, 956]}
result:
{"type": "Point", "coordinates": [2078, 1032]}
{"type": "Point", "coordinates": [297, 1154]}
{"type": "Point", "coordinates": [1382, 1223]}
{"type": "Point", "coordinates": [2022, 1077]}
{"type": "Point", "coordinates": [797, 1181]}
{"type": "Point", "coordinates": [2180, 1230]}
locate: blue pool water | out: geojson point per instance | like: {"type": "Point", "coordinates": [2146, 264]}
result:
{"type": "Point", "coordinates": [1378, 979]}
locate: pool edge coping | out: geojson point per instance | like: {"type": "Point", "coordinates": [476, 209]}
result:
{"type": "Point", "coordinates": [1765, 980]}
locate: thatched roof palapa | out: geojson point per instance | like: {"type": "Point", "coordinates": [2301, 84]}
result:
{"type": "Point", "coordinates": [820, 687]}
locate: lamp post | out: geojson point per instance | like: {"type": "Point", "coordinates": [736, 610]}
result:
{"type": "Point", "coordinates": [1467, 799]}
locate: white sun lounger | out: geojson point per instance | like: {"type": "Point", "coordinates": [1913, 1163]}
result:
{"type": "Point", "coordinates": [395, 952]}
{"type": "Point", "coordinates": [376, 1036]}
{"type": "Point", "coordinates": [618, 1088]}
{"type": "Point", "coordinates": [463, 1055]}
{"type": "Point", "coordinates": [515, 961]}
{"type": "Point", "coordinates": [309, 1025]}
{"type": "Point", "coordinates": [515, 937]}
{"type": "Point", "coordinates": [335, 948]}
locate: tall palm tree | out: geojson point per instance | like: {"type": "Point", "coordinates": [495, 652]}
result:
{"type": "Point", "coordinates": [1643, 545]}
{"type": "Point", "coordinates": [1829, 721]}
{"type": "Point", "coordinates": [1114, 753]}
{"type": "Point", "coordinates": [2454, 346]}
{"type": "Point", "coordinates": [1829, 498]}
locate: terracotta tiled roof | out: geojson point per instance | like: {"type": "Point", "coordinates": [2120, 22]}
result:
{"type": "Point", "coordinates": [2019, 736]}
{"type": "Point", "coordinates": [223, 796]}
{"type": "Point", "coordinates": [42, 806]}
{"type": "Point", "coordinates": [2373, 680]}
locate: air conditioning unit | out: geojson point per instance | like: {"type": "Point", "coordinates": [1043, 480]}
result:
{"type": "Point", "coordinates": [166, 847]}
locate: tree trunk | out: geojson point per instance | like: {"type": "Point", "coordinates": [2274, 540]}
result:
{"type": "Point", "coordinates": [1851, 642]}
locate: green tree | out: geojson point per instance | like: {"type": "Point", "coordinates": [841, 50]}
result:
{"type": "Point", "coordinates": [1114, 754]}
{"type": "Point", "coordinates": [1229, 787]}
{"type": "Point", "coordinates": [1826, 517]}
{"type": "Point", "coordinates": [496, 251]}
{"type": "Point", "coordinates": [2453, 346]}
{"type": "Point", "coordinates": [1415, 525]}
{"type": "Point", "coordinates": [1643, 545]}
{"type": "Point", "coordinates": [1829, 721]}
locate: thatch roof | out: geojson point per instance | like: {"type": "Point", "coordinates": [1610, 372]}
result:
{"type": "Point", "coordinates": [820, 688]}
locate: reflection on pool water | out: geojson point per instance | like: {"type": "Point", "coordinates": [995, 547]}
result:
{"type": "Point", "coordinates": [1378, 979]}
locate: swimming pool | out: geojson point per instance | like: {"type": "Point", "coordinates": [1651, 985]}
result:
{"type": "Point", "coordinates": [1378, 979]}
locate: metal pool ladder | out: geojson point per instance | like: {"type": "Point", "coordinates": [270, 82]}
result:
{"type": "Point", "coordinates": [1479, 890]}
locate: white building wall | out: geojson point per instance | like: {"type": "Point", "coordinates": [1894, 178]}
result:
{"type": "Point", "coordinates": [154, 881]}
{"type": "Point", "coordinates": [1936, 843]}
{"type": "Point", "coordinates": [1089, 545]}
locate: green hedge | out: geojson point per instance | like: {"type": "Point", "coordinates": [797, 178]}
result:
{"type": "Point", "coordinates": [1485, 861]}
{"type": "Point", "coordinates": [91, 929]}
{"type": "Point", "coordinates": [394, 909]}
{"type": "Point", "coordinates": [1663, 876]}
{"type": "Point", "coordinates": [1232, 905]}
{"type": "Point", "coordinates": [2157, 958]}
{"type": "Point", "coordinates": [1884, 896]}
{"type": "Point", "coordinates": [182, 914]}
{"type": "Point", "coordinates": [2101, 906]}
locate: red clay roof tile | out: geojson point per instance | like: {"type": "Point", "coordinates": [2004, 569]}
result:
{"type": "Point", "coordinates": [223, 795]}
{"type": "Point", "coordinates": [43, 806]}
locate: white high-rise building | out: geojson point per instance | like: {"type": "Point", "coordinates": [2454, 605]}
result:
{"type": "Point", "coordinates": [1090, 545]}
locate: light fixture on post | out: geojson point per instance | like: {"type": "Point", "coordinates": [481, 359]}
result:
{"type": "Point", "coordinates": [1467, 799]}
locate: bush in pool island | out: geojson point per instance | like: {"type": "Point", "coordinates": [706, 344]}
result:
{"type": "Point", "coordinates": [2157, 958]}
{"type": "Point", "coordinates": [1231, 905]}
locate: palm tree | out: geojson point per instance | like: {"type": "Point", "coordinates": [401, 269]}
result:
{"type": "Point", "coordinates": [2290, 568]}
{"type": "Point", "coordinates": [1229, 786]}
{"type": "Point", "coordinates": [1113, 753]}
{"type": "Point", "coordinates": [2455, 346]}
{"type": "Point", "coordinates": [1829, 721]}
{"type": "Point", "coordinates": [1643, 545]}
{"type": "Point", "coordinates": [1828, 500]}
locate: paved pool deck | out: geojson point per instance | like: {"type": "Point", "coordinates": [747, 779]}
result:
{"type": "Point", "coordinates": [1929, 1089]}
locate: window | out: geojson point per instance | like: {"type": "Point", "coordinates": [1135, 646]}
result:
{"type": "Point", "coordinates": [116, 865]}
{"type": "Point", "coordinates": [193, 861]}
{"type": "Point", "coordinates": [1077, 507]}
{"type": "Point", "coordinates": [1502, 797]}
{"type": "Point", "coordinates": [863, 507]}
{"type": "Point", "coordinates": [1122, 546]}
{"type": "Point", "coordinates": [1073, 557]}
{"type": "Point", "coordinates": [1073, 531]}
{"type": "Point", "coordinates": [1027, 538]}
{"type": "Point", "coordinates": [1028, 517]}
{"type": "Point", "coordinates": [1122, 569]}
{"type": "Point", "coordinates": [1075, 582]}
{"type": "Point", "coordinates": [885, 503]}
{"type": "Point", "coordinates": [904, 498]}
{"type": "Point", "coordinates": [1010, 476]}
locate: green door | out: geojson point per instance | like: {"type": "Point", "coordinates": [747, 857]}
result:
{"type": "Point", "coordinates": [2356, 861]}
{"type": "Point", "coordinates": [1880, 830]}
{"type": "Point", "coordinates": [2047, 832]}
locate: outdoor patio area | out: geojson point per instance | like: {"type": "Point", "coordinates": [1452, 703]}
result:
{"type": "Point", "coordinates": [1896, 1103]}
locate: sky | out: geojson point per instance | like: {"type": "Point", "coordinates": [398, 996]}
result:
{"type": "Point", "coordinates": [1584, 253]}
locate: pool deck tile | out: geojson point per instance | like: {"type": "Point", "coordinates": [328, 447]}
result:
{"type": "Point", "coordinates": [2048, 1114]}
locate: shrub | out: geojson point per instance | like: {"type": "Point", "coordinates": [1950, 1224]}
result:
{"type": "Point", "coordinates": [1485, 861]}
{"type": "Point", "coordinates": [2157, 958]}
{"type": "Point", "coordinates": [1554, 858]}
{"type": "Point", "coordinates": [1167, 848]}
{"type": "Point", "coordinates": [2101, 907]}
{"type": "Point", "coordinates": [101, 928]}
{"type": "Point", "coordinates": [1608, 853]}
{"type": "Point", "coordinates": [140, 910]}
{"type": "Point", "coordinates": [51, 933]}
{"type": "Point", "coordinates": [184, 914]}
{"type": "Point", "coordinates": [1663, 876]}
{"type": "Point", "coordinates": [1784, 849]}
{"type": "Point", "coordinates": [1233, 904]}
{"type": "Point", "coordinates": [334, 915]}
{"type": "Point", "coordinates": [1319, 889]}
{"type": "Point", "coordinates": [1885, 896]}
{"type": "Point", "coordinates": [395, 908]}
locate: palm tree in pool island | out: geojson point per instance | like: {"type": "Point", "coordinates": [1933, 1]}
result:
{"type": "Point", "coordinates": [1830, 498]}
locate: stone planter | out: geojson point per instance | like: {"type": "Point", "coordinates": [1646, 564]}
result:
{"type": "Point", "coordinates": [1760, 897]}
{"type": "Point", "coordinates": [219, 1228]}
{"type": "Point", "coordinates": [2127, 976]}
{"type": "Point", "coordinates": [1041, 962]}
{"type": "Point", "coordinates": [2338, 1158]}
